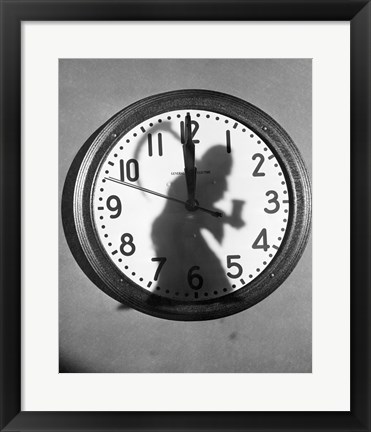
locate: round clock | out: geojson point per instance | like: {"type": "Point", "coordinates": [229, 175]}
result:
{"type": "Point", "coordinates": [188, 205]}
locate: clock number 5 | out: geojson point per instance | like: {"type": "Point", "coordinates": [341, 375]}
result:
{"type": "Point", "coordinates": [195, 280]}
{"type": "Point", "coordinates": [274, 201]}
{"type": "Point", "coordinates": [161, 261]}
{"type": "Point", "coordinates": [231, 264]}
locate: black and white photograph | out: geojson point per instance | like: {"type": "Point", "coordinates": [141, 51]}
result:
{"type": "Point", "coordinates": [185, 215]}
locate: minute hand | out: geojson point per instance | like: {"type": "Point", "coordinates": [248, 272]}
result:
{"type": "Point", "coordinates": [189, 162]}
{"type": "Point", "coordinates": [197, 207]}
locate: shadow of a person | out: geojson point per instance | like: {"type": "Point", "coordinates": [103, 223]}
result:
{"type": "Point", "coordinates": [177, 233]}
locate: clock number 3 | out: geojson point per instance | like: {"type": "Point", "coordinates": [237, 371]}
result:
{"type": "Point", "coordinates": [273, 200]}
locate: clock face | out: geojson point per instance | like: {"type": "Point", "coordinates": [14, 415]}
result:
{"type": "Point", "coordinates": [164, 246]}
{"type": "Point", "coordinates": [188, 205]}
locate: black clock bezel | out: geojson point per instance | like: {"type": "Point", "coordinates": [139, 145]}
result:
{"type": "Point", "coordinates": [77, 216]}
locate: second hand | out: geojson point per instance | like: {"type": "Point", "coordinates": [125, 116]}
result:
{"type": "Point", "coordinates": [213, 213]}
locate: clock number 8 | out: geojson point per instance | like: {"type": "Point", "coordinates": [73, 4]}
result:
{"type": "Point", "coordinates": [127, 242]}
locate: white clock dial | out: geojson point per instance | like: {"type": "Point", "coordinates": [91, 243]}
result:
{"type": "Point", "coordinates": [166, 248]}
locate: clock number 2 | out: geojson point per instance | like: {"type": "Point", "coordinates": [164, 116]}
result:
{"type": "Point", "coordinates": [256, 172]}
{"type": "Point", "coordinates": [127, 246]}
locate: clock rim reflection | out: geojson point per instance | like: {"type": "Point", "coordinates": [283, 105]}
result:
{"type": "Point", "coordinates": [79, 226]}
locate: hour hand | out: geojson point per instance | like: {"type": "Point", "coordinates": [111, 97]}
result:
{"type": "Point", "coordinates": [189, 164]}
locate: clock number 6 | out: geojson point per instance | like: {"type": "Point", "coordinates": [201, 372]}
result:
{"type": "Point", "coordinates": [274, 201]}
{"type": "Point", "coordinates": [231, 264]}
{"type": "Point", "coordinates": [127, 242]}
{"type": "Point", "coordinates": [195, 277]}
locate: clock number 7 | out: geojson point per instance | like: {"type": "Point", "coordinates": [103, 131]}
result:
{"type": "Point", "coordinates": [161, 261]}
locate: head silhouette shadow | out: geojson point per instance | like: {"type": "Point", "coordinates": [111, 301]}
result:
{"type": "Point", "coordinates": [178, 233]}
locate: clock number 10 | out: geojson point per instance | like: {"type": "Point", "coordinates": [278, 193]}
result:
{"type": "Point", "coordinates": [130, 170]}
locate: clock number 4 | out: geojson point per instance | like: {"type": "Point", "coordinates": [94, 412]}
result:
{"type": "Point", "coordinates": [130, 170]}
{"type": "Point", "coordinates": [237, 266]}
{"type": "Point", "coordinates": [261, 241]}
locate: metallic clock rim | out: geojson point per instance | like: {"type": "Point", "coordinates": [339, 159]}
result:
{"type": "Point", "coordinates": [80, 229]}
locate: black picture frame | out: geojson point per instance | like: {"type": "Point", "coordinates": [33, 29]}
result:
{"type": "Point", "coordinates": [13, 12]}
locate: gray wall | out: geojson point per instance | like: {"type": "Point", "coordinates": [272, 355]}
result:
{"type": "Point", "coordinates": [97, 334]}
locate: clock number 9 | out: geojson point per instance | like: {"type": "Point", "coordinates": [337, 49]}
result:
{"type": "Point", "coordinates": [114, 207]}
{"type": "Point", "coordinates": [195, 277]}
{"type": "Point", "coordinates": [231, 264]}
{"type": "Point", "coordinates": [274, 201]}
{"type": "Point", "coordinates": [127, 242]}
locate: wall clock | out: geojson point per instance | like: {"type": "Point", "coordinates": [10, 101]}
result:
{"type": "Point", "coordinates": [188, 205]}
